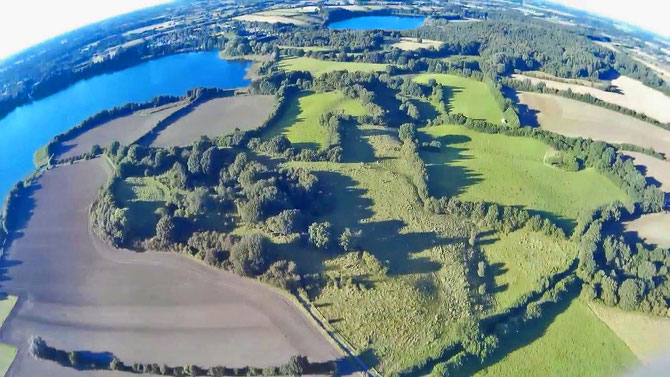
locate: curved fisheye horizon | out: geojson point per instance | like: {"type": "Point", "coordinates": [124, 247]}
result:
{"type": "Point", "coordinates": [351, 188]}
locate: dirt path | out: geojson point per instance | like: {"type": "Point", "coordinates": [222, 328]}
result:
{"type": "Point", "coordinates": [77, 293]}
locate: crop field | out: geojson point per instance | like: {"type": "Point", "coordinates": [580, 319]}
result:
{"type": "Point", "coordinates": [300, 122]}
{"type": "Point", "coordinates": [646, 336]}
{"type": "Point", "coordinates": [94, 302]}
{"type": "Point", "coordinates": [653, 228]}
{"type": "Point", "coordinates": [467, 96]}
{"type": "Point", "coordinates": [511, 171]}
{"type": "Point", "coordinates": [271, 18]}
{"type": "Point", "coordinates": [124, 130]}
{"type": "Point", "coordinates": [404, 296]}
{"type": "Point", "coordinates": [318, 67]}
{"type": "Point", "coordinates": [574, 118]}
{"type": "Point", "coordinates": [518, 260]}
{"type": "Point", "coordinates": [217, 117]}
{"type": "Point", "coordinates": [634, 95]}
{"type": "Point", "coordinates": [575, 343]}
{"type": "Point", "coordinates": [411, 44]}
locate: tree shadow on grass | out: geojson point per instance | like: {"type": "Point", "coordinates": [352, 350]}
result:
{"type": "Point", "coordinates": [445, 177]}
{"type": "Point", "coordinates": [356, 147]}
{"type": "Point", "coordinates": [526, 335]}
{"type": "Point", "coordinates": [449, 93]}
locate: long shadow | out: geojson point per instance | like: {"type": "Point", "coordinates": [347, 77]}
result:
{"type": "Point", "coordinates": [445, 177]}
{"type": "Point", "coordinates": [356, 147]}
{"type": "Point", "coordinates": [527, 116]}
{"type": "Point", "coordinates": [426, 111]}
{"type": "Point", "coordinates": [449, 93]}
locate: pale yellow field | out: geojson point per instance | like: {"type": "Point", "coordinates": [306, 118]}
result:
{"type": "Point", "coordinates": [574, 118]}
{"type": "Point", "coordinates": [271, 19]}
{"type": "Point", "coordinates": [635, 95]}
{"type": "Point", "coordinates": [653, 228]}
{"type": "Point", "coordinates": [654, 168]}
{"type": "Point", "coordinates": [645, 335]}
{"type": "Point", "coordinates": [411, 44]}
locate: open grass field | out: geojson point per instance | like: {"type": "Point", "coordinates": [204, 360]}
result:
{"type": "Point", "coordinates": [271, 19]}
{"type": "Point", "coordinates": [518, 260]}
{"type": "Point", "coordinates": [574, 118]}
{"type": "Point", "coordinates": [646, 336]}
{"type": "Point", "coordinates": [467, 96]}
{"type": "Point", "coordinates": [217, 117]}
{"type": "Point", "coordinates": [634, 95]}
{"type": "Point", "coordinates": [125, 130]}
{"type": "Point", "coordinates": [7, 352]}
{"type": "Point", "coordinates": [654, 228]}
{"type": "Point", "coordinates": [412, 44]}
{"type": "Point", "coordinates": [575, 343]}
{"type": "Point", "coordinates": [79, 294]}
{"type": "Point", "coordinates": [404, 297]}
{"type": "Point", "coordinates": [654, 168]}
{"type": "Point", "coordinates": [511, 171]}
{"type": "Point", "coordinates": [300, 122]}
{"type": "Point", "coordinates": [318, 67]}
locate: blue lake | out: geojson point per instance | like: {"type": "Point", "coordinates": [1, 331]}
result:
{"type": "Point", "coordinates": [31, 126]}
{"type": "Point", "coordinates": [378, 22]}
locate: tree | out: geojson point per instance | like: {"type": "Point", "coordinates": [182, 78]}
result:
{"type": "Point", "coordinates": [198, 201]}
{"type": "Point", "coordinates": [349, 240]}
{"type": "Point", "coordinates": [630, 294]}
{"type": "Point", "coordinates": [320, 234]}
{"type": "Point", "coordinates": [296, 366]}
{"type": "Point", "coordinates": [165, 230]}
{"type": "Point", "coordinates": [286, 222]}
{"type": "Point", "coordinates": [608, 291]}
{"type": "Point", "coordinates": [248, 254]}
{"type": "Point", "coordinates": [407, 131]}
{"type": "Point", "coordinates": [177, 176]}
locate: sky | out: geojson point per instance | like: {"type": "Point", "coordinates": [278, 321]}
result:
{"type": "Point", "coordinates": [24, 23]}
{"type": "Point", "coordinates": [651, 15]}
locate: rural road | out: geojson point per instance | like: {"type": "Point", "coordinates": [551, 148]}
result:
{"type": "Point", "coordinates": [79, 294]}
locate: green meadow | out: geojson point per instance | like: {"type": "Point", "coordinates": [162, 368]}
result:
{"type": "Point", "coordinates": [300, 122]}
{"type": "Point", "coordinates": [511, 171]}
{"type": "Point", "coordinates": [469, 97]}
{"type": "Point", "coordinates": [7, 352]}
{"type": "Point", "coordinates": [318, 67]}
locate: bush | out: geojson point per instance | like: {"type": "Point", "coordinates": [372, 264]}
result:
{"type": "Point", "coordinates": [320, 234]}
{"type": "Point", "coordinates": [248, 255]}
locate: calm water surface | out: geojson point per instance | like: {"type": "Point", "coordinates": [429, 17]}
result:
{"type": "Point", "coordinates": [378, 22]}
{"type": "Point", "coordinates": [29, 127]}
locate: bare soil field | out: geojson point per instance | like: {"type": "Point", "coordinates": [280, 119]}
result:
{"type": "Point", "coordinates": [654, 168]}
{"type": "Point", "coordinates": [79, 294]}
{"type": "Point", "coordinates": [411, 44]}
{"type": "Point", "coordinates": [653, 228]}
{"type": "Point", "coordinates": [574, 118]}
{"type": "Point", "coordinates": [634, 95]}
{"type": "Point", "coordinates": [646, 336]}
{"type": "Point", "coordinates": [126, 130]}
{"type": "Point", "coordinates": [217, 117]}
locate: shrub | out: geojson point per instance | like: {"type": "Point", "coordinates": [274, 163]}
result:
{"type": "Point", "coordinates": [248, 254]}
{"type": "Point", "coordinates": [320, 234]}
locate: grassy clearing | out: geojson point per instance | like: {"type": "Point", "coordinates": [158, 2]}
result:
{"type": "Point", "coordinates": [300, 122]}
{"type": "Point", "coordinates": [403, 298]}
{"type": "Point", "coordinates": [510, 171]}
{"type": "Point", "coordinates": [318, 67]}
{"type": "Point", "coordinates": [517, 261]}
{"type": "Point", "coordinates": [646, 336]}
{"type": "Point", "coordinates": [40, 157]}
{"type": "Point", "coordinates": [469, 97]}
{"type": "Point", "coordinates": [143, 196]}
{"type": "Point", "coordinates": [7, 352]}
{"type": "Point", "coordinates": [412, 44]}
{"type": "Point", "coordinates": [575, 343]}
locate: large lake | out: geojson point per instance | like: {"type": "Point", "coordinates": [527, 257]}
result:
{"type": "Point", "coordinates": [378, 22]}
{"type": "Point", "coordinates": [29, 127]}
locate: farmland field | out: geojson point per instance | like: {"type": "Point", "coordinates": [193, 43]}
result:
{"type": "Point", "coordinates": [217, 117]}
{"type": "Point", "coordinates": [511, 171]}
{"type": "Point", "coordinates": [634, 95]}
{"type": "Point", "coordinates": [92, 302]}
{"type": "Point", "coordinates": [518, 260]}
{"type": "Point", "coordinates": [318, 67]}
{"type": "Point", "coordinates": [653, 228]}
{"type": "Point", "coordinates": [654, 168]}
{"type": "Point", "coordinates": [300, 122]}
{"type": "Point", "coordinates": [466, 96]}
{"type": "Point", "coordinates": [575, 343]}
{"type": "Point", "coordinates": [574, 118]}
{"type": "Point", "coordinates": [126, 130]}
{"type": "Point", "coordinates": [411, 44]}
